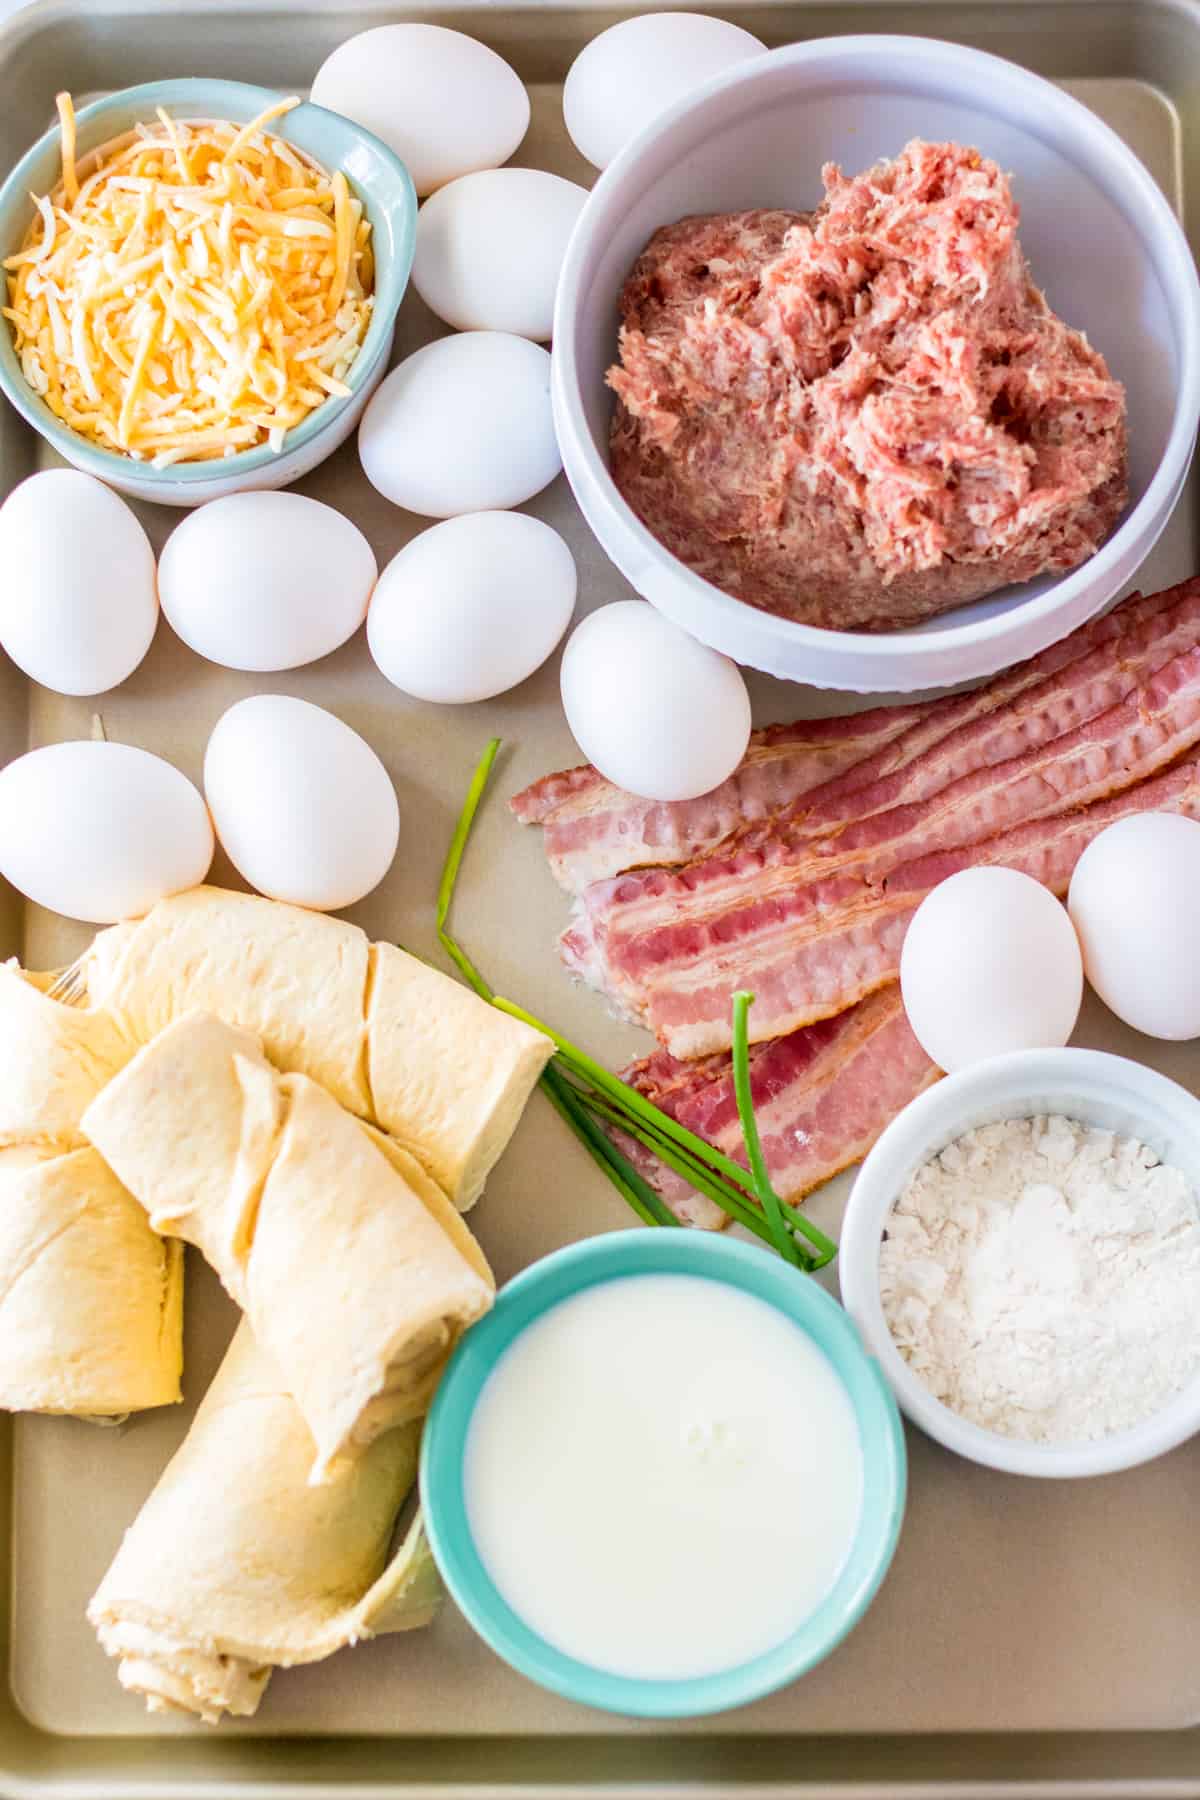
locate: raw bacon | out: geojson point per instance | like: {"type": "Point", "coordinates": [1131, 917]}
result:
{"type": "Point", "coordinates": [807, 899]}
{"type": "Point", "coordinates": [822, 1096]}
{"type": "Point", "coordinates": [593, 830]}
{"type": "Point", "coordinates": [642, 935]}
{"type": "Point", "coordinates": [1017, 712]}
{"type": "Point", "coordinates": [846, 941]}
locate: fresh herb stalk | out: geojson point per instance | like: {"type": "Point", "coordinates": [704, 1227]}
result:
{"type": "Point", "coordinates": [633, 1188]}
{"type": "Point", "coordinates": [768, 1199]}
{"type": "Point", "coordinates": [698, 1162]}
{"type": "Point", "coordinates": [737, 1205]}
{"type": "Point", "coordinates": [583, 1092]}
{"type": "Point", "coordinates": [632, 1106]}
{"type": "Point", "coordinates": [453, 863]}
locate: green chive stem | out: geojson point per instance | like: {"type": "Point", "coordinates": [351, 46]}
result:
{"type": "Point", "coordinates": [581, 1090]}
{"type": "Point", "coordinates": [571, 1114]}
{"type": "Point", "coordinates": [626, 1097]}
{"type": "Point", "coordinates": [462, 831]}
{"type": "Point", "coordinates": [768, 1199]}
{"type": "Point", "coordinates": [465, 966]}
{"type": "Point", "coordinates": [705, 1181]}
{"type": "Point", "coordinates": [635, 1189]}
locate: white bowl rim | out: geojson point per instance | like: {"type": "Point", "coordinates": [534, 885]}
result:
{"type": "Point", "coordinates": [941, 1113]}
{"type": "Point", "coordinates": [1174, 261]}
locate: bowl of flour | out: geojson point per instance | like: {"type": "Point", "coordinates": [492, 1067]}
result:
{"type": "Point", "coordinates": [1021, 1252]}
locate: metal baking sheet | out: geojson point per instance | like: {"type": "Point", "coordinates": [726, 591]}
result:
{"type": "Point", "coordinates": [1031, 1636]}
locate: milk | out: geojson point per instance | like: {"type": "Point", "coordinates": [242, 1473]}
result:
{"type": "Point", "coordinates": [663, 1476]}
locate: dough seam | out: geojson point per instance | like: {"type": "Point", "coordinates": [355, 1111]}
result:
{"type": "Point", "coordinates": [13, 1277]}
{"type": "Point", "coordinates": [58, 1143]}
{"type": "Point", "coordinates": [172, 1282]}
{"type": "Point", "coordinates": [364, 1041]}
{"type": "Point", "coordinates": [249, 1206]}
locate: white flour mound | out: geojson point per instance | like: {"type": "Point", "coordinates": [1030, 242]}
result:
{"type": "Point", "coordinates": [1043, 1279]}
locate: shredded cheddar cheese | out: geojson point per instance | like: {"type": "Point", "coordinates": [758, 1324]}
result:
{"type": "Point", "coordinates": [196, 291]}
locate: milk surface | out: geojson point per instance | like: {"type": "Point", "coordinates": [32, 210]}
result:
{"type": "Point", "coordinates": [663, 1476]}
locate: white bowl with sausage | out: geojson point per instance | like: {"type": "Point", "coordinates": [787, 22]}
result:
{"type": "Point", "coordinates": [1101, 240]}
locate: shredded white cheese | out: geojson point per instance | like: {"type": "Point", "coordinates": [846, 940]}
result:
{"type": "Point", "coordinates": [197, 291]}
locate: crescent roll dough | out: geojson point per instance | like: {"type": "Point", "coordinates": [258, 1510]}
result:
{"type": "Point", "coordinates": [236, 1565]}
{"type": "Point", "coordinates": [54, 1060]}
{"type": "Point", "coordinates": [91, 1299]}
{"type": "Point", "coordinates": [356, 1273]}
{"type": "Point", "coordinates": [396, 1042]}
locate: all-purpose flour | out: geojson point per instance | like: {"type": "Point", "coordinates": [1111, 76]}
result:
{"type": "Point", "coordinates": [1043, 1279]}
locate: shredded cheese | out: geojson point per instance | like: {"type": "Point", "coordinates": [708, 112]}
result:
{"type": "Point", "coordinates": [196, 292]}
{"type": "Point", "coordinates": [66, 125]}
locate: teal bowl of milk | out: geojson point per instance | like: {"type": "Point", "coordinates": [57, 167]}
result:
{"type": "Point", "coordinates": [662, 1477]}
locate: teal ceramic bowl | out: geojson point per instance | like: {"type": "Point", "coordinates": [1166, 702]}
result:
{"type": "Point", "coordinates": [375, 175]}
{"type": "Point", "coordinates": [554, 1279]}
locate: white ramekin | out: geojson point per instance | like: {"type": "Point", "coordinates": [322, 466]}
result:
{"type": "Point", "coordinates": [1101, 240]}
{"type": "Point", "coordinates": [1102, 1090]}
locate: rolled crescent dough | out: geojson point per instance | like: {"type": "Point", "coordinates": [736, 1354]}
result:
{"type": "Point", "coordinates": [91, 1299]}
{"type": "Point", "coordinates": [54, 1060]}
{"type": "Point", "coordinates": [357, 1275]}
{"type": "Point", "coordinates": [237, 1565]}
{"type": "Point", "coordinates": [396, 1042]}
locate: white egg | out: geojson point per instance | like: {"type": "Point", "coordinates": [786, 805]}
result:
{"type": "Point", "coordinates": [490, 247]}
{"type": "Point", "coordinates": [78, 604]}
{"type": "Point", "coordinates": [100, 831]}
{"type": "Point", "coordinates": [638, 68]}
{"type": "Point", "coordinates": [990, 963]}
{"type": "Point", "coordinates": [303, 807]}
{"type": "Point", "coordinates": [472, 606]}
{"type": "Point", "coordinates": [656, 712]}
{"type": "Point", "coordinates": [444, 102]}
{"type": "Point", "coordinates": [265, 581]}
{"type": "Point", "coordinates": [1135, 901]}
{"type": "Point", "coordinates": [462, 425]}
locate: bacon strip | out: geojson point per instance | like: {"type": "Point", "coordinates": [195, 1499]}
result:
{"type": "Point", "coordinates": [645, 934]}
{"type": "Point", "coordinates": [866, 814]}
{"type": "Point", "coordinates": [807, 899]}
{"type": "Point", "coordinates": [1022, 709]}
{"type": "Point", "coordinates": [845, 944]}
{"type": "Point", "coordinates": [822, 1096]}
{"type": "Point", "coordinates": [594, 830]}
